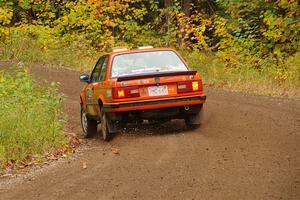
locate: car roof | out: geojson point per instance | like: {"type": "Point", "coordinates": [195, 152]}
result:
{"type": "Point", "coordinates": [126, 51]}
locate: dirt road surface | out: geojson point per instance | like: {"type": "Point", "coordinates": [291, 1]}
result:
{"type": "Point", "coordinates": [247, 148]}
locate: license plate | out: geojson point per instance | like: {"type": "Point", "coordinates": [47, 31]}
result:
{"type": "Point", "coordinates": [158, 90]}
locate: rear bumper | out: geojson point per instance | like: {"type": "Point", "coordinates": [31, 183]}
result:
{"type": "Point", "coordinates": [154, 104]}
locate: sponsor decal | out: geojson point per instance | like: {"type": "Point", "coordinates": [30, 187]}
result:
{"type": "Point", "coordinates": [143, 92]}
{"type": "Point", "coordinates": [108, 93]}
{"type": "Point", "coordinates": [124, 83]}
{"type": "Point", "coordinates": [157, 79]}
{"type": "Point", "coordinates": [89, 94]}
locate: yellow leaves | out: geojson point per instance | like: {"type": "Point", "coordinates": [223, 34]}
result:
{"type": "Point", "coordinates": [220, 31]}
{"type": "Point", "coordinates": [287, 3]}
{"type": "Point", "coordinates": [115, 151]}
{"type": "Point", "coordinates": [281, 75]}
{"type": "Point", "coordinates": [5, 16]}
{"type": "Point", "coordinates": [109, 23]}
{"type": "Point", "coordinates": [270, 20]}
{"type": "Point", "coordinates": [139, 13]}
{"type": "Point", "coordinates": [273, 34]}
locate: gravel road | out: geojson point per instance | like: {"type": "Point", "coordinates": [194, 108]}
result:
{"type": "Point", "coordinates": [247, 148]}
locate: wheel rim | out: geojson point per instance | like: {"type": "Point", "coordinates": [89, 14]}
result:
{"type": "Point", "coordinates": [103, 126]}
{"type": "Point", "coordinates": [84, 122]}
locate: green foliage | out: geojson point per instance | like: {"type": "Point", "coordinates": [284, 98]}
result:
{"type": "Point", "coordinates": [104, 23]}
{"type": "Point", "coordinates": [265, 29]}
{"type": "Point", "coordinates": [260, 36]}
{"type": "Point", "coordinates": [268, 81]}
{"type": "Point", "coordinates": [30, 117]}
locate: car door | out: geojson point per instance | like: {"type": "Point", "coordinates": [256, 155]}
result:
{"type": "Point", "coordinates": [90, 90]}
{"type": "Point", "coordinates": [99, 86]}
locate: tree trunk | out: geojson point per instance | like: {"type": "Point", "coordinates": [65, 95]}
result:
{"type": "Point", "coordinates": [168, 4]}
{"type": "Point", "coordinates": [186, 7]}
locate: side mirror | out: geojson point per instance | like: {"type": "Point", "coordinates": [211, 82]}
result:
{"type": "Point", "coordinates": [84, 78]}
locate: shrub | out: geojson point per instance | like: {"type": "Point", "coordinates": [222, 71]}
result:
{"type": "Point", "coordinates": [30, 117]}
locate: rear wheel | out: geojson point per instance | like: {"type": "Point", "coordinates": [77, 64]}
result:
{"type": "Point", "coordinates": [89, 126]}
{"type": "Point", "coordinates": [105, 123]}
{"type": "Point", "coordinates": [193, 121]}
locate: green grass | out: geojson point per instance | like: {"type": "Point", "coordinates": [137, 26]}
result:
{"type": "Point", "coordinates": [38, 44]}
{"type": "Point", "coordinates": [30, 117]}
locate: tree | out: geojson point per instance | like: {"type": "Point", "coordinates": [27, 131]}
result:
{"type": "Point", "coordinates": [186, 7]}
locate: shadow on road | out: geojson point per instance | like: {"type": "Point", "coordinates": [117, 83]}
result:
{"type": "Point", "coordinates": [151, 129]}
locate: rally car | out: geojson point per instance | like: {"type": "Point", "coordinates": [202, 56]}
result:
{"type": "Point", "coordinates": [147, 83]}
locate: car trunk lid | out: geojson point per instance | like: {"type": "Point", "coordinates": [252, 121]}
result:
{"type": "Point", "coordinates": [156, 85]}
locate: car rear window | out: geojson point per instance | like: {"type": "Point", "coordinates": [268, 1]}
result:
{"type": "Point", "coordinates": [146, 63]}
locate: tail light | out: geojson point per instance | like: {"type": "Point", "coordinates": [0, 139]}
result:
{"type": "Point", "coordinates": [189, 86]}
{"type": "Point", "coordinates": [125, 92]}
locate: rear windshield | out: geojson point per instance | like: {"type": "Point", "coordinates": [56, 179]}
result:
{"type": "Point", "coordinates": [145, 63]}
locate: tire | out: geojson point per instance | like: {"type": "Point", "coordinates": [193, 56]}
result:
{"type": "Point", "coordinates": [194, 121]}
{"type": "Point", "coordinates": [190, 125]}
{"type": "Point", "coordinates": [89, 126]}
{"type": "Point", "coordinates": [105, 123]}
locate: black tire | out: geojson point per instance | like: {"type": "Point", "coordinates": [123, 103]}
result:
{"type": "Point", "coordinates": [190, 125]}
{"type": "Point", "coordinates": [105, 123]}
{"type": "Point", "coordinates": [89, 126]}
{"type": "Point", "coordinates": [194, 121]}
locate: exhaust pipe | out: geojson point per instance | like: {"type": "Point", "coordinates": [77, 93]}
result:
{"type": "Point", "coordinates": [186, 108]}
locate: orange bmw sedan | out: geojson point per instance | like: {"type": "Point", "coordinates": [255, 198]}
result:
{"type": "Point", "coordinates": [147, 83]}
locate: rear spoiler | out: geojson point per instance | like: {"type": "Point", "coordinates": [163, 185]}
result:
{"type": "Point", "coordinates": [156, 74]}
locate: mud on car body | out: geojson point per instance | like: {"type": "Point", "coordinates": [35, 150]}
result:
{"type": "Point", "coordinates": [153, 84]}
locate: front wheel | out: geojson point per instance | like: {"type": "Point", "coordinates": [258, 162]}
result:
{"type": "Point", "coordinates": [89, 126]}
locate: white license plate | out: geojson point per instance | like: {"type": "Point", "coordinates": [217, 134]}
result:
{"type": "Point", "coordinates": [158, 90]}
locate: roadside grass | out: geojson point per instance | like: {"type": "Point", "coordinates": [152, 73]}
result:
{"type": "Point", "coordinates": [36, 44]}
{"type": "Point", "coordinates": [31, 121]}
{"type": "Point", "coordinates": [243, 77]}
